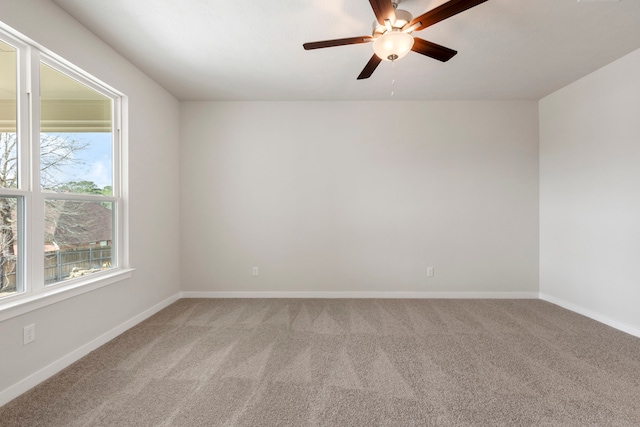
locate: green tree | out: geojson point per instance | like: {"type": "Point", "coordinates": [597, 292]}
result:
{"type": "Point", "coordinates": [84, 187]}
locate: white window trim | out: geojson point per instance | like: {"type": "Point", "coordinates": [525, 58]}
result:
{"type": "Point", "coordinates": [56, 293]}
{"type": "Point", "coordinates": [36, 295]}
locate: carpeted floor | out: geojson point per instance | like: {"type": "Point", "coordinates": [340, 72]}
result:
{"type": "Point", "coordinates": [277, 362]}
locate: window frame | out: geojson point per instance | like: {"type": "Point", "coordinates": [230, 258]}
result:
{"type": "Point", "coordinates": [31, 207]}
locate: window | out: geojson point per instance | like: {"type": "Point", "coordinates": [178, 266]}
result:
{"type": "Point", "coordinates": [61, 204]}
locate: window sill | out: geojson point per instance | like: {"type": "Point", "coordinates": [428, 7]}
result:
{"type": "Point", "coordinates": [21, 304]}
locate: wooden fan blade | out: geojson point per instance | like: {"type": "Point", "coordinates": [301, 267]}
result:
{"type": "Point", "coordinates": [432, 50]}
{"type": "Point", "coordinates": [370, 67]}
{"type": "Point", "coordinates": [337, 42]}
{"type": "Point", "coordinates": [383, 9]}
{"type": "Point", "coordinates": [444, 11]}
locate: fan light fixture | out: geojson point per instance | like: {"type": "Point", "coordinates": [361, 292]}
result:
{"type": "Point", "coordinates": [392, 38]}
{"type": "Point", "coordinates": [393, 45]}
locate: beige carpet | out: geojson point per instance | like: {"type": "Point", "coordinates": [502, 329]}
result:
{"type": "Point", "coordinates": [348, 363]}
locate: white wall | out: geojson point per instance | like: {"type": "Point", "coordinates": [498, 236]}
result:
{"type": "Point", "coordinates": [360, 196]}
{"type": "Point", "coordinates": [590, 195]}
{"type": "Point", "coordinates": [154, 213]}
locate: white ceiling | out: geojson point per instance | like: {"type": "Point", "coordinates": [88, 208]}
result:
{"type": "Point", "coordinates": [252, 49]}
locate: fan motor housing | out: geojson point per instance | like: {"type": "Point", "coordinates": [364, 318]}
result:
{"type": "Point", "coordinates": [402, 18]}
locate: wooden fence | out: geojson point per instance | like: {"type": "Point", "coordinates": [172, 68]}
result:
{"type": "Point", "coordinates": [58, 265]}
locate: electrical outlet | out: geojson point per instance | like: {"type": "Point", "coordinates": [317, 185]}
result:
{"type": "Point", "coordinates": [29, 334]}
{"type": "Point", "coordinates": [254, 271]}
{"type": "Point", "coordinates": [429, 271]}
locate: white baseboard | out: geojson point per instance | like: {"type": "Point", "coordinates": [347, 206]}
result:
{"type": "Point", "coordinates": [592, 315]}
{"type": "Point", "coordinates": [48, 371]}
{"type": "Point", "coordinates": [356, 294]}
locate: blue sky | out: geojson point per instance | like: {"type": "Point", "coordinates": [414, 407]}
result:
{"type": "Point", "coordinates": [96, 157]}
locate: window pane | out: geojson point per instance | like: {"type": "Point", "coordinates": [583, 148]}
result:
{"type": "Point", "coordinates": [8, 136]}
{"type": "Point", "coordinates": [78, 238]}
{"type": "Point", "coordinates": [10, 223]}
{"type": "Point", "coordinates": [75, 136]}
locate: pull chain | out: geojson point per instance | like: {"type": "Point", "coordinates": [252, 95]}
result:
{"type": "Point", "coordinates": [393, 77]}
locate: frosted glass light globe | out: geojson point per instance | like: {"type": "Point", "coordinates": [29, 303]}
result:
{"type": "Point", "coordinates": [392, 45]}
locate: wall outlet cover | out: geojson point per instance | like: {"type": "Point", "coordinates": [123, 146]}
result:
{"type": "Point", "coordinates": [29, 334]}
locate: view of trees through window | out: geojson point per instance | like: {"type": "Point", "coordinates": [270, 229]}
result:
{"type": "Point", "coordinates": [78, 234]}
{"type": "Point", "coordinates": [8, 169]}
{"type": "Point", "coordinates": [75, 174]}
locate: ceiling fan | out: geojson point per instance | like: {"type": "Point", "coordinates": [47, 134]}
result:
{"type": "Point", "coordinates": [392, 37]}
